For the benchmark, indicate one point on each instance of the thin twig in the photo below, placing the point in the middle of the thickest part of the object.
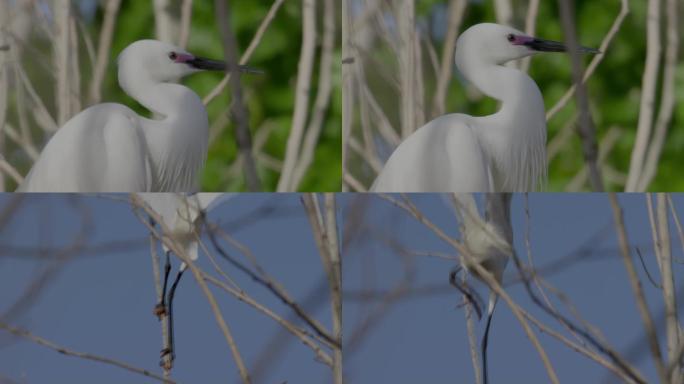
(186, 20)
(301, 108)
(636, 288)
(563, 101)
(87, 356)
(669, 291)
(586, 128)
(275, 289)
(648, 274)
(324, 90)
(265, 23)
(667, 98)
(163, 317)
(649, 84)
(103, 49)
(456, 12)
(238, 111)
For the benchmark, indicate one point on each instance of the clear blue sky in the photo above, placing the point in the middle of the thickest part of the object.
(102, 302)
(423, 339)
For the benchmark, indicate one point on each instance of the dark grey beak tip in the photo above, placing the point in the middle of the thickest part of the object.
(217, 65)
(590, 50)
(541, 45)
(250, 70)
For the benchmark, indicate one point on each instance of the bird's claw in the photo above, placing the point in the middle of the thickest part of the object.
(167, 356)
(159, 310)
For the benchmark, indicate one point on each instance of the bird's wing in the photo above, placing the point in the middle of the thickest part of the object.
(128, 163)
(99, 150)
(444, 155)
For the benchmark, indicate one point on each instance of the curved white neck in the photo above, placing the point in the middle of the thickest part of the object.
(515, 136)
(178, 141)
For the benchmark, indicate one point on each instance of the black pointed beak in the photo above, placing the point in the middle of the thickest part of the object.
(542, 45)
(218, 65)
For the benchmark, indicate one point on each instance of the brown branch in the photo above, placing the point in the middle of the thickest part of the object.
(238, 110)
(87, 356)
(636, 288)
(586, 128)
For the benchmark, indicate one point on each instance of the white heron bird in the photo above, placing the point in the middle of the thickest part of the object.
(180, 214)
(489, 243)
(110, 148)
(503, 152)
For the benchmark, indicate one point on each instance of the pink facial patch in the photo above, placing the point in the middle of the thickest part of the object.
(521, 39)
(183, 57)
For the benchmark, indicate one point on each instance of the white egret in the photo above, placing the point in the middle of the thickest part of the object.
(109, 148)
(180, 214)
(489, 243)
(503, 152)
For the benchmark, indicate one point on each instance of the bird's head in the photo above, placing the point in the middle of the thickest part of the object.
(163, 62)
(498, 44)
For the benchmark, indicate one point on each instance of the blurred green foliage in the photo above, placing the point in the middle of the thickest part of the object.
(614, 89)
(269, 98)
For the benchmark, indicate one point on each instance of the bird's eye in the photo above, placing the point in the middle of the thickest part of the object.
(510, 37)
(173, 56)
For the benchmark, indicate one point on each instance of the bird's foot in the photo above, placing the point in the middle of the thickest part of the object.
(160, 310)
(470, 297)
(167, 356)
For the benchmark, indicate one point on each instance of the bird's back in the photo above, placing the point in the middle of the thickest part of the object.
(87, 148)
(442, 156)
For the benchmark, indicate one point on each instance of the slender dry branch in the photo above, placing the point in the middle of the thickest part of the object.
(456, 12)
(348, 60)
(166, 363)
(186, 20)
(470, 330)
(669, 291)
(648, 93)
(667, 98)
(304, 72)
(586, 128)
(274, 289)
(335, 281)
(163, 21)
(103, 49)
(302, 334)
(248, 52)
(238, 111)
(324, 90)
(530, 27)
(407, 64)
(62, 15)
(636, 288)
(563, 101)
(87, 356)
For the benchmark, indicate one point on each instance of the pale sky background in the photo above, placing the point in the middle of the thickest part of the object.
(102, 302)
(423, 339)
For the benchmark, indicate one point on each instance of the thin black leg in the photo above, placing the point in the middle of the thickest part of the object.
(485, 338)
(465, 291)
(172, 292)
(160, 309)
